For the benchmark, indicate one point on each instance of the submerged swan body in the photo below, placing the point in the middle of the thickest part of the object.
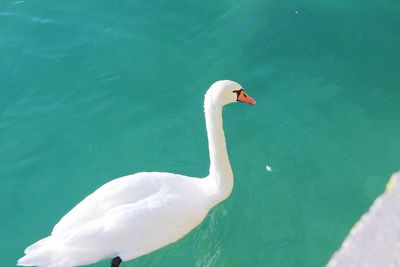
(134, 215)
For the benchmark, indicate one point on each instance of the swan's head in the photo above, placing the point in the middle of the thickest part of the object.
(225, 92)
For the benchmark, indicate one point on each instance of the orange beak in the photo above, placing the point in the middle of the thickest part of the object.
(244, 97)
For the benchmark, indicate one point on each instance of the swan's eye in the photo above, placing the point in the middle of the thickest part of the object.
(238, 92)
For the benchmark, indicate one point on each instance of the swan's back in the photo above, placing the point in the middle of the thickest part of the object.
(117, 192)
(112, 221)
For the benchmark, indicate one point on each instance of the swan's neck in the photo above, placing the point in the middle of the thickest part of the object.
(221, 176)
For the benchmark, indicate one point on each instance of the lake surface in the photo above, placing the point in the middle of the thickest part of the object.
(94, 90)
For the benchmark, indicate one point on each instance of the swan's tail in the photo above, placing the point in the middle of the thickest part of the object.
(46, 252)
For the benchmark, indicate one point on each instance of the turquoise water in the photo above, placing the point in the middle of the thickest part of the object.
(93, 90)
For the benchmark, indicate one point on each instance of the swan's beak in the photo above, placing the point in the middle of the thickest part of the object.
(244, 97)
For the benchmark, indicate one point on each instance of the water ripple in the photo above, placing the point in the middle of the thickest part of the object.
(34, 19)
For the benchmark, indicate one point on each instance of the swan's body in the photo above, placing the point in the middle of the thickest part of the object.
(134, 215)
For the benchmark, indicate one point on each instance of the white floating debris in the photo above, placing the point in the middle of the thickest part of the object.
(268, 168)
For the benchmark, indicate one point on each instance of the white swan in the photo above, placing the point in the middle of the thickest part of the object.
(134, 215)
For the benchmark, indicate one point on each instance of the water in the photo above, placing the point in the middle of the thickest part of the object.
(95, 90)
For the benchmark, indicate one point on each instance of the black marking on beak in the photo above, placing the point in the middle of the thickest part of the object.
(238, 94)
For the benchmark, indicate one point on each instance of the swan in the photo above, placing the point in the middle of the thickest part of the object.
(136, 214)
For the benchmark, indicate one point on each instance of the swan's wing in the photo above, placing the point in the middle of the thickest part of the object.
(106, 236)
(130, 216)
(128, 189)
(375, 239)
(134, 229)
